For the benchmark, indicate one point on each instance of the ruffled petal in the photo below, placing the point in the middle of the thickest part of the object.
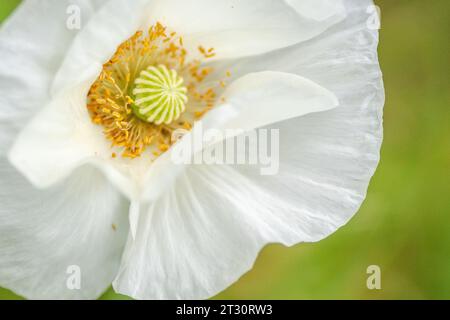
(241, 28)
(95, 44)
(80, 224)
(185, 246)
(44, 232)
(206, 231)
(318, 10)
(33, 42)
(62, 126)
(62, 138)
(261, 98)
(55, 142)
(234, 28)
(91, 48)
(252, 101)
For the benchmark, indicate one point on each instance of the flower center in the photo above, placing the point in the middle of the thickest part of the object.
(149, 89)
(160, 96)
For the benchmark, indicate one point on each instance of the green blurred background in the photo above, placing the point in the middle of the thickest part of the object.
(404, 224)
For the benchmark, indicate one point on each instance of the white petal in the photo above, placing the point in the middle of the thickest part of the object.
(239, 28)
(234, 28)
(45, 232)
(62, 137)
(206, 231)
(95, 44)
(317, 9)
(263, 98)
(72, 139)
(91, 48)
(253, 101)
(185, 247)
(33, 42)
(54, 143)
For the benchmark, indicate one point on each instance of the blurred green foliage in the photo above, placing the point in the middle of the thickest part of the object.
(6, 6)
(404, 224)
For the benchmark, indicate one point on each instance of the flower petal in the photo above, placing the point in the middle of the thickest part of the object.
(45, 232)
(262, 98)
(90, 49)
(319, 10)
(54, 143)
(62, 137)
(234, 28)
(185, 246)
(206, 231)
(240, 28)
(33, 42)
(96, 43)
(253, 101)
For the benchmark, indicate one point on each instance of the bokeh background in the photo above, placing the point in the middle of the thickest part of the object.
(404, 224)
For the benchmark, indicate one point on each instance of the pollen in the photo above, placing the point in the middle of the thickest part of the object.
(150, 88)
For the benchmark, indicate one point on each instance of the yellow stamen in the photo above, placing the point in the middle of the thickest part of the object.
(120, 104)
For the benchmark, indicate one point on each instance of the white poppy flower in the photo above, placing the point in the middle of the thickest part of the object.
(86, 176)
